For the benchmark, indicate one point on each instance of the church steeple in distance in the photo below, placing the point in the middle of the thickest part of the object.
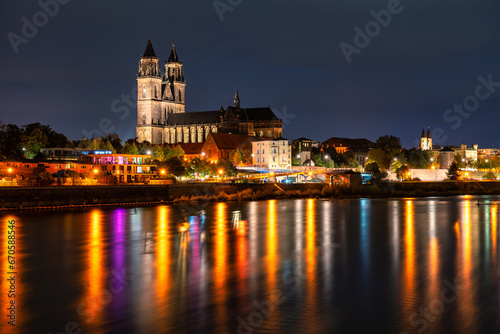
(237, 100)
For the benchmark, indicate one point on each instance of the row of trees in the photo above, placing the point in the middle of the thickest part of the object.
(389, 155)
(17, 142)
(27, 141)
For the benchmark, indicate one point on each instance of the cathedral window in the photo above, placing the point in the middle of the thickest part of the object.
(143, 118)
(144, 91)
(180, 96)
(261, 134)
(156, 92)
(193, 135)
(269, 134)
(200, 135)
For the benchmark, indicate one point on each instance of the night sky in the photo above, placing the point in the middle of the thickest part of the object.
(285, 54)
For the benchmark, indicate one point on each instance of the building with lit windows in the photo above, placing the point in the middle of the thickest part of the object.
(272, 153)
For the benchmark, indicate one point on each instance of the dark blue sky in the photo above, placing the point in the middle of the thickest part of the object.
(280, 53)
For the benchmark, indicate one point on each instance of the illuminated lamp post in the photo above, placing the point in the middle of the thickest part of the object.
(10, 173)
(95, 174)
(327, 158)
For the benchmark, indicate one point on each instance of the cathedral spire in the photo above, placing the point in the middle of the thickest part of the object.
(423, 133)
(173, 55)
(429, 133)
(237, 100)
(149, 52)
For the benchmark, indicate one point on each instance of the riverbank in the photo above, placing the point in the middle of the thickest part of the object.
(15, 198)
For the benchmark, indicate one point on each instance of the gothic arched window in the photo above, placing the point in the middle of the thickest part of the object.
(200, 135)
(180, 96)
(156, 92)
(143, 91)
(143, 118)
(193, 135)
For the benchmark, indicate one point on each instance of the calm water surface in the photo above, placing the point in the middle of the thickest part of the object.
(290, 266)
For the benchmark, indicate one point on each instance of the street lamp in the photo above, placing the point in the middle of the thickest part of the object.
(10, 172)
(148, 152)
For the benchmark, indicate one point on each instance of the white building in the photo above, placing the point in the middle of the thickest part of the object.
(272, 153)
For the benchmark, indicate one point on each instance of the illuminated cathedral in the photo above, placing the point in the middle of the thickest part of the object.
(161, 108)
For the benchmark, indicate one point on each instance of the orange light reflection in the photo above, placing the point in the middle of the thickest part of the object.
(94, 300)
(162, 259)
(220, 266)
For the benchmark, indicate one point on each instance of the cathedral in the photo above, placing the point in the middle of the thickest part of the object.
(161, 108)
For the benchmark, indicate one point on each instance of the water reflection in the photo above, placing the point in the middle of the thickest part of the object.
(464, 262)
(91, 308)
(409, 293)
(325, 266)
(220, 266)
(162, 261)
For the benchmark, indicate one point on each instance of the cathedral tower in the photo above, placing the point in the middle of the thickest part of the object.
(149, 86)
(173, 86)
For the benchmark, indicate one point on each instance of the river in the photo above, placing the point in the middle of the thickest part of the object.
(411, 265)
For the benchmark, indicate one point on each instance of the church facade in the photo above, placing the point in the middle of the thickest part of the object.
(161, 108)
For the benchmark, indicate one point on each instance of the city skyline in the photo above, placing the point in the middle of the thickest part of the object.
(312, 63)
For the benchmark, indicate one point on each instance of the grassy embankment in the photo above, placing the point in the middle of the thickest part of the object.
(384, 190)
